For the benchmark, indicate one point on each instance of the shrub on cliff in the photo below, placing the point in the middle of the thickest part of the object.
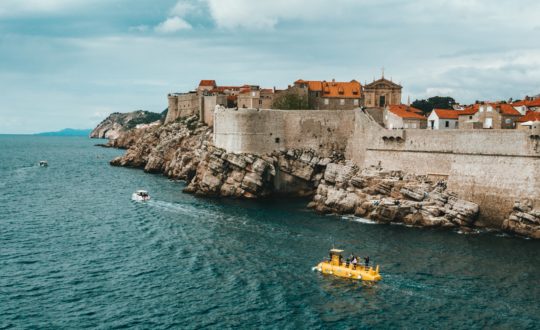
(146, 117)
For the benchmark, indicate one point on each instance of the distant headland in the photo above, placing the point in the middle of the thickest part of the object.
(67, 132)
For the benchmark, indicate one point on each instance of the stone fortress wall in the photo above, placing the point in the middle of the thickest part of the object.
(493, 168)
(263, 131)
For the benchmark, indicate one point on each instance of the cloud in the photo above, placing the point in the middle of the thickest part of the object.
(172, 24)
(15, 8)
(139, 28)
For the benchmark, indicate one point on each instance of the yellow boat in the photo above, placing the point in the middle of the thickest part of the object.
(335, 266)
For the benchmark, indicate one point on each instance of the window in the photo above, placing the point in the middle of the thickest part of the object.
(456, 124)
(508, 121)
(253, 93)
(277, 140)
(489, 109)
(355, 102)
(260, 102)
(446, 123)
(470, 117)
(326, 101)
(413, 125)
(406, 125)
(341, 101)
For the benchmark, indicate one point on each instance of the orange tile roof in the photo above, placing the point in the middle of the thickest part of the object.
(208, 83)
(528, 103)
(267, 90)
(530, 116)
(470, 110)
(507, 109)
(447, 114)
(334, 89)
(405, 111)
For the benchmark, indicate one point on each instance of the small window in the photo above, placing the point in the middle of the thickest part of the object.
(277, 140)
(470, 117)
(447, 124)
(456, 124)
(406, 125)
(260, 102)
(413, 125)
(341, 101)
(489, 109)
(355, 102)
(326, 101)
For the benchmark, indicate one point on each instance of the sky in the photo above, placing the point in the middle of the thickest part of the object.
(70, 63)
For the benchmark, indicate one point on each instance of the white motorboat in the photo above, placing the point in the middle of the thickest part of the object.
(140, 195)
(43, 163)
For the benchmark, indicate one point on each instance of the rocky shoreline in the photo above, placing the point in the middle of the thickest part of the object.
(183, 150)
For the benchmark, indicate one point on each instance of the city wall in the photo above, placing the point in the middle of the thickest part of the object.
(490, 167)
(263, 131)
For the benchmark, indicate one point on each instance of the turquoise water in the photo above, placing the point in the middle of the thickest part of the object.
(76, 252)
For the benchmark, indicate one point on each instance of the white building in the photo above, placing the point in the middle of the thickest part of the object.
(443, 119)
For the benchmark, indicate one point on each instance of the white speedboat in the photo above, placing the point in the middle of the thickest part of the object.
(140, 195)
(43, 163)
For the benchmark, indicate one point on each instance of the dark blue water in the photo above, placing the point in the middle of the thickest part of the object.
(76, 252)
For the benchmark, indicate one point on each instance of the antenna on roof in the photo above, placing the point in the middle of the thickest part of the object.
(382, 72)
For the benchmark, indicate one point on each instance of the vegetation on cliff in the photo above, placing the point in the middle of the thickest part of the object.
(116, 123)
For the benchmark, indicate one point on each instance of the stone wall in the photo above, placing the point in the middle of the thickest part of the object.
(264, 131)
(182, 105)
(492, 168)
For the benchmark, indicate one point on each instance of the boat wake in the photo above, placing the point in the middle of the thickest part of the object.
(361, 220)
(175, 207)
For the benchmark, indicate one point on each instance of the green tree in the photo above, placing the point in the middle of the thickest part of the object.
(290, 101)
(435, 102)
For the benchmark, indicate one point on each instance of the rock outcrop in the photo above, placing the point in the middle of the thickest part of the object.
(184, 150)
(390, 197)
(113, 126)
(524, 220)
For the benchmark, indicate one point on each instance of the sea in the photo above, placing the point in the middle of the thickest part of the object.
(76, 252)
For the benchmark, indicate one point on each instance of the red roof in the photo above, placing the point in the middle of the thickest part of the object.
(406, 112)
(471, 110)
(208, 83)
(528, 103)
(334, 89)
(530, 116)
(503, 108)
(447, 114)
(507, 109)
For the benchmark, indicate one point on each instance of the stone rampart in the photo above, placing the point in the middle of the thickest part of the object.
(263, 131)
(493, 168)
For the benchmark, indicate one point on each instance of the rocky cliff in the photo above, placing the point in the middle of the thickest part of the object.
(117, 123)
(184, 150)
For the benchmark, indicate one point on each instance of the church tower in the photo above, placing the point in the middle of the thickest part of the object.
(382, 92)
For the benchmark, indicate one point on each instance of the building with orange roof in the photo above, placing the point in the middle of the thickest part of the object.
(529, 121)
(443, 119)
(403, 117)
(490, 116)
(254, 97)
(329, 95)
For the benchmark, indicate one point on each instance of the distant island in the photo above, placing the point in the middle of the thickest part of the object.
(67, 132)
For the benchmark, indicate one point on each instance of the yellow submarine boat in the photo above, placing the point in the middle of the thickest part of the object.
(335, 266)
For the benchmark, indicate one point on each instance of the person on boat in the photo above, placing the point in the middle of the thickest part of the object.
(366, 261)
(354, 262)
(347, 261)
